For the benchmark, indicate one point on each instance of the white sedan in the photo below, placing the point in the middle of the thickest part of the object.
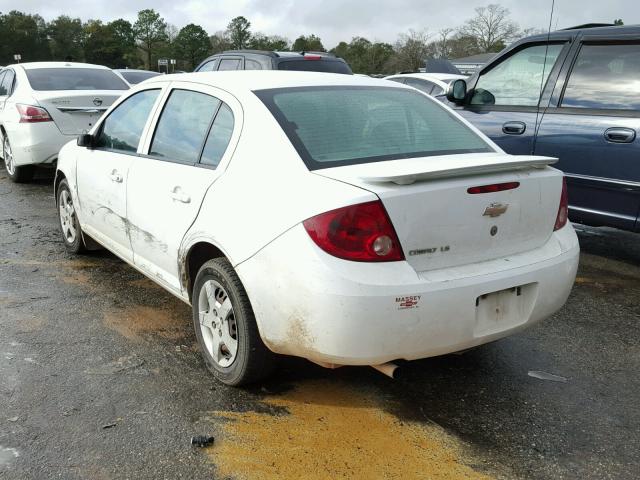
(43, 105)
(346, 220)
(430, 83)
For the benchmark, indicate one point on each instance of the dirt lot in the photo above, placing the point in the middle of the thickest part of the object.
(100, 378)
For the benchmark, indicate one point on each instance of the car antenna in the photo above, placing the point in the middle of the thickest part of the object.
(544, 66)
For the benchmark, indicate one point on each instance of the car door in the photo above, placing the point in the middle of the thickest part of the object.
(505, 99)
(102, 171)
(592, 127)
(167, 185)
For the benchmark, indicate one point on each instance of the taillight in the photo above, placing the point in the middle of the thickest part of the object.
(312, 57)
(563, 209)
(31, 114)
(496, 187)
(362, 233)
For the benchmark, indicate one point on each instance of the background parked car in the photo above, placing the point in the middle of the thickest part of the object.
(265, 60)
(430, 83)
(44, 105)
(575, 97)
(133, 76)
(411, 234)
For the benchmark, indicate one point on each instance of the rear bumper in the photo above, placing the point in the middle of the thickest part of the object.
(36, 143)
(312, 305)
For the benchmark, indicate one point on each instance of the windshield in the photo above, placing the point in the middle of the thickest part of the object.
(345, 125)
(49, 79)
(330, 66)
(136, 77)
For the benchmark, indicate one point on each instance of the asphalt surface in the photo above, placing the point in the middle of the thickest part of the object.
(100, 376)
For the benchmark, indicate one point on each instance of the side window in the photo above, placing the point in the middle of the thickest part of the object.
(397, 79)
(605, 77)
(437, 90)
(3, 91)
(518, 79)
(219, 137)
(209, 66)
(422, 85)
(122, 129)
(7, 82)
(251, 64)
(183, 126)
(230, 64)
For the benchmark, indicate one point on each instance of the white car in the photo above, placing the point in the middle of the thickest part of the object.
(430, 83)
(133, 76)
(43, 105)
(346, 220)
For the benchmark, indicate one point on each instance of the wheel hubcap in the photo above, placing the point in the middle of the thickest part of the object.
(67, 217)
(218, 323)
(8, 156)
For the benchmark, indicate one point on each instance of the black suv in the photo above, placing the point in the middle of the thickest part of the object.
(264, 60)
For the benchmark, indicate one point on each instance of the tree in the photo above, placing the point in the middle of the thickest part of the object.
(67, 38)
(191, 45)
(23, 34)
(238, 32)
(150, 31)
(260, 41)
(111, 44)
(442, 46)
(364, 56)
(124, 37)
(310, 43)
(491, 27)
(618, 22)
(220, 42)
(411, 51)
(462, 46)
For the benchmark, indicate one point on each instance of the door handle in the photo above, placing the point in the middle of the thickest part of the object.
(514, 128)
(178, 195)
(620, 135)
(116, 176)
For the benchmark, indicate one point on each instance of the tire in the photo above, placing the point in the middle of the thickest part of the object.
(218, 288)
(22, 174)
(68, 220)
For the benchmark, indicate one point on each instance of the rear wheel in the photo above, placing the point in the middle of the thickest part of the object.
(69, 223)
(226, 327)
(17, 174)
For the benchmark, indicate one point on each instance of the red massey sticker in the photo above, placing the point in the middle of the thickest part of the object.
(407, 302)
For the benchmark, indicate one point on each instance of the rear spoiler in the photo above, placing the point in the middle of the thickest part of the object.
(408, 171)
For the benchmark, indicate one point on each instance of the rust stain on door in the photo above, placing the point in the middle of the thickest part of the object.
(333, 431)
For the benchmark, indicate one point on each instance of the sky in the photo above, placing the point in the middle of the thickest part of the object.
(336, 20)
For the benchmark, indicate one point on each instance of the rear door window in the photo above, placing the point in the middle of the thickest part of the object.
(122, 129)
(230, 64)
(219, 137)
(605, 77)
(3, 90)
(183, 126)
(6, 84)
(52, 79)
(518, 79)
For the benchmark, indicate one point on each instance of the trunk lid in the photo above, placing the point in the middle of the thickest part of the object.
(441, 225)
(75, 111)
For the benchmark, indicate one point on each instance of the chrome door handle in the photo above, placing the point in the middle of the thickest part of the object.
(179, 196)
(514, 128)
(620, 135)
(116, 177)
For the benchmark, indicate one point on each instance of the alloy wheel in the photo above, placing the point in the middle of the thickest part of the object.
(217, 323)
(67, 216)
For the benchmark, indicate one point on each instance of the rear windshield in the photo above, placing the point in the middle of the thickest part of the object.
(47, 79)
(330, 66)
(346, 125)
(136, 77)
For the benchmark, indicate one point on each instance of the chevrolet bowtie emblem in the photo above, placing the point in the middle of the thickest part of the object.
(495, 209)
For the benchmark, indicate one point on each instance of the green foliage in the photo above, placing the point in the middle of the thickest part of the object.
(618, 22)
(191, 45)
(112, 44)
(238, 32)
(66, 37)
(150, 31)
(310, 43)
(364, 56)
(260, 41)
(23, 34)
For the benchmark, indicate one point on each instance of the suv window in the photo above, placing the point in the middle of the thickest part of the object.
(250, 64)
(7, 82)
(518, 79)
(230, 64)
(605, 77)
(122, 129)
(422, 85)
(183, 126)
(209, 66)
(331, 66)
(219, 137)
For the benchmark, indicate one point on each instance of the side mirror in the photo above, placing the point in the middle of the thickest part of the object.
(457, 91)
(85, 140)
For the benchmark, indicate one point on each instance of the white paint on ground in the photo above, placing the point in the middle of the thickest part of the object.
(8, 455)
